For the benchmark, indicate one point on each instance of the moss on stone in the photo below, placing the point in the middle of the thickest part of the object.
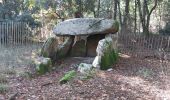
(67, 77)
(108, 60)
(43, 68)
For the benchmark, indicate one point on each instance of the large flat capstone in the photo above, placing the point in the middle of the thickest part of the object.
(86, 26)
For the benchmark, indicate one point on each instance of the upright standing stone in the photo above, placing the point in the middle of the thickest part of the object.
(106, 54)
(65, 49)
(48, 49)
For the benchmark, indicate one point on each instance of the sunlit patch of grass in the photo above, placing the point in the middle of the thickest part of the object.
(24, 75)
(145, 72)
(4, 88)
(3, 79)
(9, 71)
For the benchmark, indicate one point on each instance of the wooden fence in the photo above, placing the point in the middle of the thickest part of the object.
(12, 33)
(142, 45)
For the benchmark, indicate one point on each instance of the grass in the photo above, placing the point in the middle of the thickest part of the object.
(145, 72)
(3, 79)
(9, 71)
(25, 75)
(4, 88)
(67, 77)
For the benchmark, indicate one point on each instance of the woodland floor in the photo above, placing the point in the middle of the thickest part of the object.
(132, 78)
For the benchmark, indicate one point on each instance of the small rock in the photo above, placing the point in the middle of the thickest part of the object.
(110, 69)
(96, 62)
(84, 68)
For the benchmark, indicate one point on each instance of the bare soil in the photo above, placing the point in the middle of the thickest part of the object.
(132, 78)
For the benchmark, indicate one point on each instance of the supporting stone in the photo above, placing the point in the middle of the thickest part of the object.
(48, 49)
(65, 49)
(106, 54)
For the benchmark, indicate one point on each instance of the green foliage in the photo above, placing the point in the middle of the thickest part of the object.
(9, 71)
(44, 54)
(67, 77)
(4, 88)
(3, 79)
(11, 8)
(25, 75)
(145, 72)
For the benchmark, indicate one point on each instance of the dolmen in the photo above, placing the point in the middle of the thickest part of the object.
(84, 37)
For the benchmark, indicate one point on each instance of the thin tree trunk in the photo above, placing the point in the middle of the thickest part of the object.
(120, 14)
(148, 17)
(125, 27)
(98, 8)
(145, 16)
(115, 9)
(135, 17)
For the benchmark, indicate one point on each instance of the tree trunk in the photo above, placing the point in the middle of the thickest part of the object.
(120, 14)
(115, 9)
(125, 27)
(98, 8)
(148, 17)
(135, 27)
(145, 16)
